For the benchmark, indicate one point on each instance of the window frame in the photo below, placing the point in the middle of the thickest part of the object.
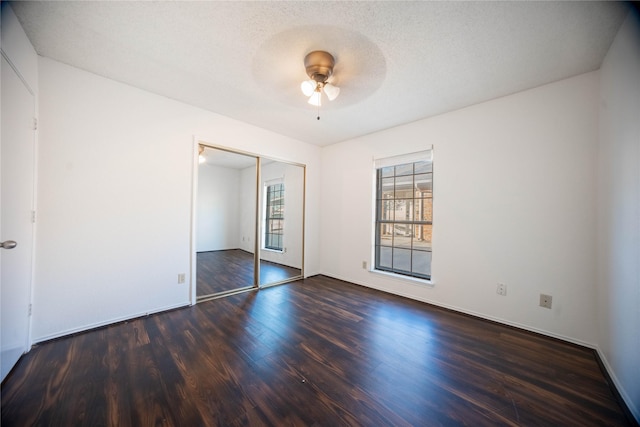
(412, 198)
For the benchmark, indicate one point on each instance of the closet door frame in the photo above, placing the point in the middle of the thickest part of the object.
(199, 141)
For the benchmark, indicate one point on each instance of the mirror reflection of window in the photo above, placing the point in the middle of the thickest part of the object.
(274, 217)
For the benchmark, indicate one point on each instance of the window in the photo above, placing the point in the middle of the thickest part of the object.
(404, 214)
(274, 217)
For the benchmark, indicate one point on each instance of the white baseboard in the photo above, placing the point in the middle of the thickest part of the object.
(106, 322)
(635, 411)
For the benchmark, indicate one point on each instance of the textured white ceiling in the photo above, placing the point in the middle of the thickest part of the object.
(396, 62)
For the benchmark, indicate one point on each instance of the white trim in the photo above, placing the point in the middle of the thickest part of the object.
(402, 278)
(34, 229)
(194, 209)
(404, 158)
(20, 76)
(109, 322)
(635, 410)
(281, 251)
(274, 181)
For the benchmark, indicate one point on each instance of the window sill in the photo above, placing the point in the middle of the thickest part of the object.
(274, 250)
(402, 278)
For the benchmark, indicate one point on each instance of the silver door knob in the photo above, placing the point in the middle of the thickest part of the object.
(8, 244)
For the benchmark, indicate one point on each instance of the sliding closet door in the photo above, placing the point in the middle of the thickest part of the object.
(225, 222)
(282, 221)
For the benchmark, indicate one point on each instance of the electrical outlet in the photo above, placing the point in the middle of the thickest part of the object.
(180, 278)
(364, 264)
(501, 289)
(545, 300)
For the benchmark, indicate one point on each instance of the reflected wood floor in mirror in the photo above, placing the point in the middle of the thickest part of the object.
(220, 271)
(314, 352)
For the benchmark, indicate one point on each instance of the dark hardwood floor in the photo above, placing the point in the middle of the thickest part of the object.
(317, 352)
(271, 272)
(235, 264)
(221, 271)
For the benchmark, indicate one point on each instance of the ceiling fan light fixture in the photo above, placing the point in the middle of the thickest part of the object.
(308, 87)
(316, 99)
(331, 91)
(201, 157)
(319, 67)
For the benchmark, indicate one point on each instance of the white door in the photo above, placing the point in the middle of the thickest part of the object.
(16, 204)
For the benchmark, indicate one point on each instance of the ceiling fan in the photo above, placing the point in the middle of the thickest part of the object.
(319, 66)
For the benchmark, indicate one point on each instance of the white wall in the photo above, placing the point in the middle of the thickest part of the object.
(115, 190)
(218, 213)
(514, 202)
(619, 212)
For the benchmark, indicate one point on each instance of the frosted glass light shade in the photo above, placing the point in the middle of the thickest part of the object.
(331, 91)
(307, 87)
(315, 99)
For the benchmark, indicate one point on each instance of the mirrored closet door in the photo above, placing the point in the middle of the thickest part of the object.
(282, 221)
(249, 222)
(225, 222)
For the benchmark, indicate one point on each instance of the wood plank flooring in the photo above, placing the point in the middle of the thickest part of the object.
(317, 352)
(221, 271)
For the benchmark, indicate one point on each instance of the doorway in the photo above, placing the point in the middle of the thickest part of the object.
(17, 210)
